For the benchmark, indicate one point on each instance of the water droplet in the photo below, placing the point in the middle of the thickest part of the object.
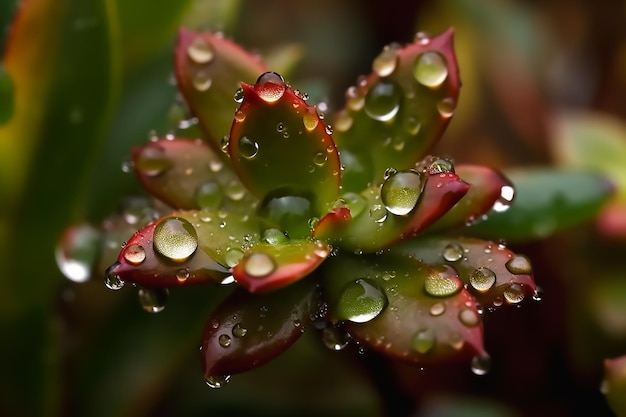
(354, 100)
(482, 279)
(209, 195)
(335, 338)
(514, 293)
(217, 382)
(152, 161)
(225, 142)
(202, 81)
(453, 252)
(422, 38)
(248, 148)
(430, 69)
(343, 121)
(538, 294)
(481, 364)
(232, 257)
(224, 340)
(424, 340)
(386, 62)
(440, 166)
(437, 309)
(240, 116)
(259, 264)
(270, 86)
(507, 193)
(134, 254)
(238, 97)
(182, 275)
(382, 101)
(328, 129)
(228, 280)
(320, 159)
(310, 120)
(446, 107)
(77, 252)
(153, 299)
(239, 331)
(200, 50)
(412, 126)
(361, 301)
(235, 190)
(127, 166)
(469, 317)
(401, 192)
(378, 213)
(274, 237)
(111, 278)
(519, 264)
(443, 282)
(175, 238)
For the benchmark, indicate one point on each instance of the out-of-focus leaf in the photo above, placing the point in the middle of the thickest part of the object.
(546, 201)
(7, 93)
(614, 384)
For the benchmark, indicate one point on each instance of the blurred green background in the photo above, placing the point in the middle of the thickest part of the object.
(83, 81)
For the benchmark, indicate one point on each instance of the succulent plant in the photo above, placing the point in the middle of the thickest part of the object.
(353, 230)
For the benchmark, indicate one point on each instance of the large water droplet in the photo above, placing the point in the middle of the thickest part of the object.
(382, 101)
(270, 86)
(430, 69)
(386, 62)
(453, 252)
(175, 238)
(247, 147)
(443, 282)
(258, 264)
(153, 299)
(514, 293)
(482, 279)
(361, 301)
(134, 254)
(481, 364)
(209, 195)
(401, 192)
(519, 264)
(200, 50)
(218, 381)
(424, 340)
(507, 193)
(112, 279)
(152, 161)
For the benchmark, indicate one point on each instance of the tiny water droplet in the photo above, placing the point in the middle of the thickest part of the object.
(519, 264)
(320, 159)
(440, 166)
(424, 340)
(335, 338)
(152, 161)
(182, 275)
(481, 364)
(446, 107)
(382, 101)
(422, 38)
(469, 318)
(361, 301)
(453, 252)
(134, 254)
(378, 213)
(401, 192)
(270, 86)
(111, 278)
(224, 340)
(310, 120)
(482, 279)
(274, 236)
(217, 382)
(153, 299)
(386, 62)
(258, 264)
(240, 116)
(202, 81)
(328, 129)
(514, 293)
(430, 69)
(238, 97)
(175, 238)
(538, 294)
(437, 309)
(248, 148)
(200, 50)
(443, 281)
(239, 331)
(502, 204)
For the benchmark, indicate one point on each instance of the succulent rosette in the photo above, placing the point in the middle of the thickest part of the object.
(354, 230)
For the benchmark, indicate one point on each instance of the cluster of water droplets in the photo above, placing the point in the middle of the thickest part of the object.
(201, 52)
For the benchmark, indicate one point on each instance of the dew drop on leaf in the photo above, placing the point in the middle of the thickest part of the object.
(382, 101)
(437, 309)
(453, 252)
(361, 301)
(439, 166)
(430, 69)
(217, 382)
(77, 252)
(270, 86)
(335, 338)
(153, 299)
(481, 364)
(182, 274)
(239, 330)
(175, 239)
(235, 190)
(443, 282)
(134, 254)
(200, 51)
(446, 107)
(111, 279)
(519, 264)
(248, 148)
(238, 97)
(224, 340)
(274, 236)
(202, 81)
(469, 318)
(423, 340)
(502, 204)
(514, 293)
(258, 264)
(401, 191)
(152, 161)
(482, 279)
(310, 121)
(386, 62)
(232, 257)
(378, 213)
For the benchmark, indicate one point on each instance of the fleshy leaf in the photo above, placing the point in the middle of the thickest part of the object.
(209, 69)
(248, 330)
(418, 201)
(188, 174)
(401, 307)
(489, 189)
(279, 146)
(400, 110)
(268, 266)
(546, 201)
(182, 248)
(492, 273)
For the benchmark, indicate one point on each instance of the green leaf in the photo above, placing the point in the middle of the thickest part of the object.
(399, 111)
(7, 94)
(546, 202)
